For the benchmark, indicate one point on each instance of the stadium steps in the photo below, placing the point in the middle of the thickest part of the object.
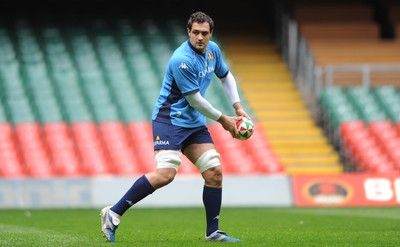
(268, 88)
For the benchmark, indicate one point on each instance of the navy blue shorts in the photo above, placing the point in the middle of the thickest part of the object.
(171, 137)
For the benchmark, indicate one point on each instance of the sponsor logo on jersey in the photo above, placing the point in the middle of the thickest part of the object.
(209, 69)
(183, 66)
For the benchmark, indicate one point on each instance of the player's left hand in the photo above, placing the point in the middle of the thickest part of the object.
(241, 112)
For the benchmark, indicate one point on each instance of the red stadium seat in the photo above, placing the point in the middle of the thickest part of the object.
(398, 128)
(140, 134)
(121, 153)
(365, 148)
(34, 150)
(383, 130)
(379, 126)
(90, 148)
(234, 158)
(389, 140)
(260, 150)
(62, 149)
(11, 165)
(187, 168)
(347, 128)
(379, 164)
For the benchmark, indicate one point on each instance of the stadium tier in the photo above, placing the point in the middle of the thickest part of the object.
(358, 107)
(76, 100)
(270, 91)
(364, 123)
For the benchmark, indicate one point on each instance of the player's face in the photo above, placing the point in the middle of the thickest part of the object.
(200, 35)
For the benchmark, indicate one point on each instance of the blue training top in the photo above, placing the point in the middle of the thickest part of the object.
(188, 72)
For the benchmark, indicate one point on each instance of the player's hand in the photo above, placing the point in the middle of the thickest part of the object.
(242, 113)
(229, 124)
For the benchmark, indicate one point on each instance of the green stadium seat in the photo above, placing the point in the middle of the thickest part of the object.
(365, 103)
(127, 99)
(20, 109)
(3, 113)
(336, 107)
(389, 99)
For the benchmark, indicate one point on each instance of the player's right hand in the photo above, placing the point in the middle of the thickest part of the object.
(229, 124)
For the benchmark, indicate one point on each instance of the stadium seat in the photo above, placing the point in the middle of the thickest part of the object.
(347, 128)
(140, 134)
(383, 130)
(187, 168)
(122, 159)
(377, 163)
(336, 108)
(365, 104)
(372, 147)
(234, 158)
(264, 158)
(62, 149)
(10, 160)
(90, 149)
(389, 99)
(34, 150)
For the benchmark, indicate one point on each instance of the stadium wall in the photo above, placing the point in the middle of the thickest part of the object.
(345, 190)
(184, 191)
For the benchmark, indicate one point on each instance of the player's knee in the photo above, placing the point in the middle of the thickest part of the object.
(208, 160)
(165, 176)
(213, 176)
(168, 162)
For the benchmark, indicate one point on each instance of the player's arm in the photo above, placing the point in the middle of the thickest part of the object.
(230, 88)
(199, 103)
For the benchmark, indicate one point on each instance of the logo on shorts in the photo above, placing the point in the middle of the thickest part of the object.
(160, 142)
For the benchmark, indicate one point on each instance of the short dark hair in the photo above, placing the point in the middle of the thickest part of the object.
(200, 17)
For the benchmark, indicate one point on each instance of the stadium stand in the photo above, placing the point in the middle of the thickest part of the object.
(360, 120)
(347, 33)
(285, 120)
(74, 103)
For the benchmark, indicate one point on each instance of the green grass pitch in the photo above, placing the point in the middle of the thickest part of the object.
(185, 227)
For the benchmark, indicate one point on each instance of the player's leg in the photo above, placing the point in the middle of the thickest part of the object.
(167, 163)
(168, 159)
(150, 182)
(206, 158)
(142, 187)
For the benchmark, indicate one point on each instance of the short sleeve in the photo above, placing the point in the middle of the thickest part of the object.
(221, 69)
(183, 71)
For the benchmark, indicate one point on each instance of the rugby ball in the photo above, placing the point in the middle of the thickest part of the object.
(245, 128)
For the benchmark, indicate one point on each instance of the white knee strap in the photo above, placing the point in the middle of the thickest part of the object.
(168, 159)
(208, 160)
